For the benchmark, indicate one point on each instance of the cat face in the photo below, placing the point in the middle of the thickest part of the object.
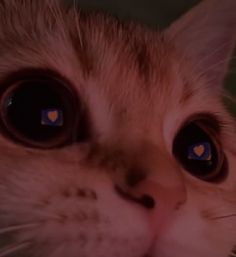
(114, 138)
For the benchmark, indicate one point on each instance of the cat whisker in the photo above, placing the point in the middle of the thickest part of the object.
(9, 250)
(224, 216)
(213, 67)
(17, 228)
(39, 213)
(229, 97)
(45, 215)
(213, 53)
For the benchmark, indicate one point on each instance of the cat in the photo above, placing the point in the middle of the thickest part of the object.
(115, 141)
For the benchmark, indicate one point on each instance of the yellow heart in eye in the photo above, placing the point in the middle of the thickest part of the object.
(199, 150)
(53, 116)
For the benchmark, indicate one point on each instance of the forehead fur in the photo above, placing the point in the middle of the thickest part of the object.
(46, 35)
(126, 65)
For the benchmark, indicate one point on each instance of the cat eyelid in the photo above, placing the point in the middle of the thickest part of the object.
(31, 73)
(208, 121)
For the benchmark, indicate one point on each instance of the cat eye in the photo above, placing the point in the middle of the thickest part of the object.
(199, 152)
(39, 112)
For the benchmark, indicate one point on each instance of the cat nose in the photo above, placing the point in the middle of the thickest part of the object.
(151, 195)
(154, 181)
(161, 202)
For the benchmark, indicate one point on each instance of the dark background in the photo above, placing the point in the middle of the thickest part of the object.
(155, 13)
(152, 12)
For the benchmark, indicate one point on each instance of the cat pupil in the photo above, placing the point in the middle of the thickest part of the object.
(198, 153)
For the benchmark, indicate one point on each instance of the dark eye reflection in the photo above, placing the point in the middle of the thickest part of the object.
(42, 111)
(199, 152)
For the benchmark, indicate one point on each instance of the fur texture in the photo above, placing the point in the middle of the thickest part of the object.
(139, 87)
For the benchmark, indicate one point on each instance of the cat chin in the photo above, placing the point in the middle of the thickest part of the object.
(177, 249)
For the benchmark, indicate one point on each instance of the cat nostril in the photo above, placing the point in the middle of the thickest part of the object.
(133, 177)
(145, 200)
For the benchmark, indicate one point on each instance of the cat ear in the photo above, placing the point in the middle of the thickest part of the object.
(207, 35)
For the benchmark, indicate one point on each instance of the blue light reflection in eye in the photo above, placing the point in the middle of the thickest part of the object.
(52, 117)
(200, 151)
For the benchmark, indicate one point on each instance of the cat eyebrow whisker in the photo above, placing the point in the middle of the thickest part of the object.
(77, 23)
(18, 227)
(11, 249)
(215, 52)
(233, 215)
(212, 54)
(214, 66)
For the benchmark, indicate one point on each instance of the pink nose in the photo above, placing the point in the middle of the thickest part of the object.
(165, 201)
